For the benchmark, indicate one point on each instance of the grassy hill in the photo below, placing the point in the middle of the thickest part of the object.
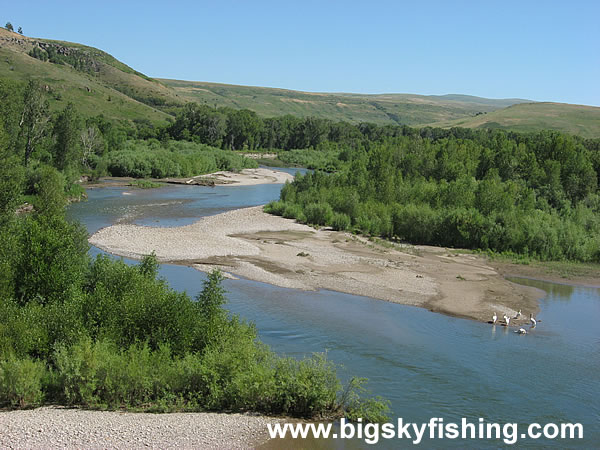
(404, 109)
(97, 83)
(104, 85)
(575, 119)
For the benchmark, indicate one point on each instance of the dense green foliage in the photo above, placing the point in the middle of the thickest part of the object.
(96, 146)
(100, 333)
(152, 159)
(104, 334)
(534, 194)
(244, 130)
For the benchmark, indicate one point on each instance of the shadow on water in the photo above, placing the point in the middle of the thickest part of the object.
(428, 365)
(557, 291)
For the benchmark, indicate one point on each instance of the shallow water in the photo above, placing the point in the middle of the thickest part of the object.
(426, 364)
(170, 206)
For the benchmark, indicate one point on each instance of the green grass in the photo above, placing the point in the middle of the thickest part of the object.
(574, 119)
(146, 184)
(403, 109)
(111, 91)
(406, 109)
(65, 85)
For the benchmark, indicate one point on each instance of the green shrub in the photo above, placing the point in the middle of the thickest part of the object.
(99, 373)
(293, 211)
(340, 222)
(21, 381)
(148, 159)
(318, 213)
(277, 208)
(306, 388)
(356, 405)
(52, 260)
(123, 338)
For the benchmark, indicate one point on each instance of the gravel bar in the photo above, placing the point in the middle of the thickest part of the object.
(56, 427)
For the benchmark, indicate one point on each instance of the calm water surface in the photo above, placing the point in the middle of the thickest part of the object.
(427, 365)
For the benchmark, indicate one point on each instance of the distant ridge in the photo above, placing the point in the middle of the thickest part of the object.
(575, 119)
(388, 108)
(98, 83)
(504, 102)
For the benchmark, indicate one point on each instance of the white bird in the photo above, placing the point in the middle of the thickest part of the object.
(522, 331)
(506, 319)
(532, 320)
(518, 315)
(494, 318)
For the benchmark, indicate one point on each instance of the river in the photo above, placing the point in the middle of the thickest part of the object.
(426, 364)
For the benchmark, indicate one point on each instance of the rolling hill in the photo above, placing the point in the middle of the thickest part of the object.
(575, 119)
(104, 85)
(397, 109)
(97, 83)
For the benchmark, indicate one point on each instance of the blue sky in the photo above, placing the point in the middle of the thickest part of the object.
(540, 50)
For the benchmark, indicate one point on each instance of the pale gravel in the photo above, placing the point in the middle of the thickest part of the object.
(247, 177)
(210, 236)
(225, 240)
(56, 427)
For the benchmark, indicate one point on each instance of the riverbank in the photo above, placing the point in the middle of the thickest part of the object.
(245, 177)
(561, 272)
(56, 427)
(262, 247)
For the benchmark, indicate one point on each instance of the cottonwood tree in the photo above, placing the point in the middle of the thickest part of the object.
(11, 179)
(67, 135)
(34, 118)
(9, 26)
(91, 143)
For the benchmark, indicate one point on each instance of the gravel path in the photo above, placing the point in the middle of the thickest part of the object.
(55, 427)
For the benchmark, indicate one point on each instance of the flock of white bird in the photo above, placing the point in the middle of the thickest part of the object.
(507, 321)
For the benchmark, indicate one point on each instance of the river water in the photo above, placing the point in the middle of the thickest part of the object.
(426, 364)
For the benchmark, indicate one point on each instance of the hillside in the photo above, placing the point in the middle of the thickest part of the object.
(99, 84)
(404, 109)
(575, 119)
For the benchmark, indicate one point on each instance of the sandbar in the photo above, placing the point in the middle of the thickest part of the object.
(253, 244)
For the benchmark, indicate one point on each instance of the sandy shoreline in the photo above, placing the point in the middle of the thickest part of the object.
(262, 247)
(245, 177)
(57, 427)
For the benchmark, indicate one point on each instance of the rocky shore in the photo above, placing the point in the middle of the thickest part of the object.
(56, 427)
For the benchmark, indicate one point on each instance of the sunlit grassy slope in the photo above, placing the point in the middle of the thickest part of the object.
(405, 109)
(575, 119)
(121, 93)
(109, 90)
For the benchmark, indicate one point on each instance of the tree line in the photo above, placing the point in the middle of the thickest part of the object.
(96, 146)
(232, 129)
(531, 194)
